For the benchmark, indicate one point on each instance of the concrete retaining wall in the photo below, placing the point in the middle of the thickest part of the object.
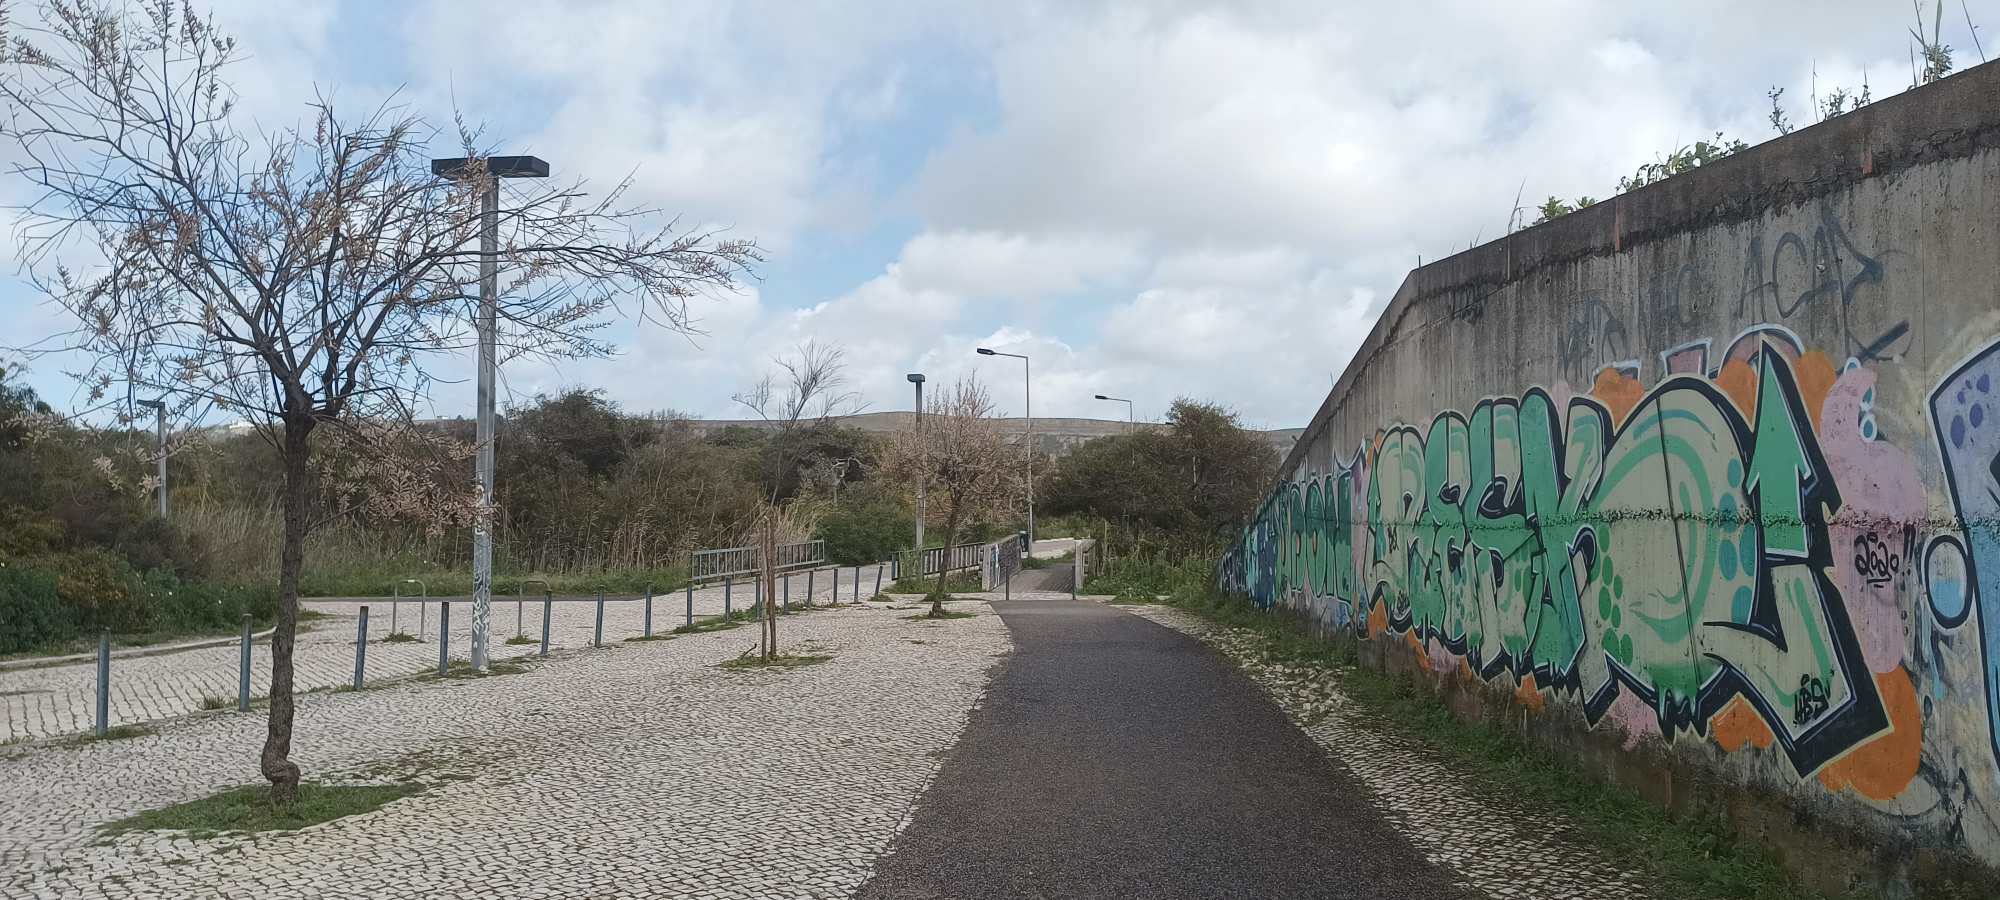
(1702, 485)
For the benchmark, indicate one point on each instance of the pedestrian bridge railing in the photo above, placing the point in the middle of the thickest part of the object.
(728, 562)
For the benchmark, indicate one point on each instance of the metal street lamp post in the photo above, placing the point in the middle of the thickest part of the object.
(917, 379)
(1028, 402)
(489, 170)
(160, 408)
(1131, 424)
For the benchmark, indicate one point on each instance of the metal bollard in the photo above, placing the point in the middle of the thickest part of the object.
(243, 669)
(360, 647)
(788, 592)
(104, 683)
(809, 586)
(878, 579)
(857, 584)
(649, 611)
(444, 637)
(548, 606)
(690, 610)
(835, 572)
(395, 606)
(597, 639)
(1007, 588)
(757, 597)
(728, 583)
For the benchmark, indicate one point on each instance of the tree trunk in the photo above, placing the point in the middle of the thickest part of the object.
(944, 564)
(769, 575)
(276, 761)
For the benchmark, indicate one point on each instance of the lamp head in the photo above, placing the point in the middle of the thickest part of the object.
(915, 377)
(152, 404)
(1102, 397)
(985, 352)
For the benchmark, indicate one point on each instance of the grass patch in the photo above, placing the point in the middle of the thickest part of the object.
(114, 733)
(208, 702)
(781, 661)
(249, 809)
(648, 637)
(940, 615)
(522, 639)
(404, 637)
(1693, 857)
(459, 668)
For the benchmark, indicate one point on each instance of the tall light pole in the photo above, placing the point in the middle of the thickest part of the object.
(160, 409)
(917, 379)
(1027, 401)
(1131, 424)
(488, 170)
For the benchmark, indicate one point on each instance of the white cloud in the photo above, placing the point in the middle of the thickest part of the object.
(1151, 199)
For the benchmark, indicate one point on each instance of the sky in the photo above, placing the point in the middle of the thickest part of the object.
(1150, 200)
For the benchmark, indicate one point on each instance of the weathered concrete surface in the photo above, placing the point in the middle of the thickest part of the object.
(1702, 484)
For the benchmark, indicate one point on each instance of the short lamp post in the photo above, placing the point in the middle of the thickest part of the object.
(159, 408)
(490, 170)
(1028, 404)
(1131, 424)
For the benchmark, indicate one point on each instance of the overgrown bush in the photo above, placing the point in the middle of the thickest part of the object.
(865, 529)
(1145, 579)
(31, 614)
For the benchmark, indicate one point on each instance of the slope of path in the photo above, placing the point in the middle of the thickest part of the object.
(1113, 757)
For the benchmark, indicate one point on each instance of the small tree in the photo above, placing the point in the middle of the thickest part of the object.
(299, 279)
(965, 464)
(813, 394)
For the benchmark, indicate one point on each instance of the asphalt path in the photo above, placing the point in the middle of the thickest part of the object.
(1113, 757)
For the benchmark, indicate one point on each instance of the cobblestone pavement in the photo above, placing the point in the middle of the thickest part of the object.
(638, 770)
(61, 700)
(1458, 827)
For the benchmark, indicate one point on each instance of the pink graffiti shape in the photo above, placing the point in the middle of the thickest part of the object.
(1880, 500)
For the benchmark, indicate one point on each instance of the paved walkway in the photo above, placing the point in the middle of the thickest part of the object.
(1114, 758)
(638, 770)
(61, 700)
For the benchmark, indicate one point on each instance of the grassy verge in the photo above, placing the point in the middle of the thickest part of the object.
(249, 808)
(1695, 857)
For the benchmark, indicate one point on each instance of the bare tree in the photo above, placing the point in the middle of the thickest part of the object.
(812, 394)
(965, 464)
(301, 278)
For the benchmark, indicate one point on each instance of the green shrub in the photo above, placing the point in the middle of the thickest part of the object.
(31, 613)
(102, 588)
(1148, 578)
(861, 533)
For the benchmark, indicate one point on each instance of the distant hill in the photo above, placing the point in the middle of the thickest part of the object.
(1053, 436)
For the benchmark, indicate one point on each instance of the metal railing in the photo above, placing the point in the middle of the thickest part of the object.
(708, 565)
(914, 563)
(1002, 561)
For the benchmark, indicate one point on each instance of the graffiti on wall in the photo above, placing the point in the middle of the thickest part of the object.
(1962, 565)
(1718, 555)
